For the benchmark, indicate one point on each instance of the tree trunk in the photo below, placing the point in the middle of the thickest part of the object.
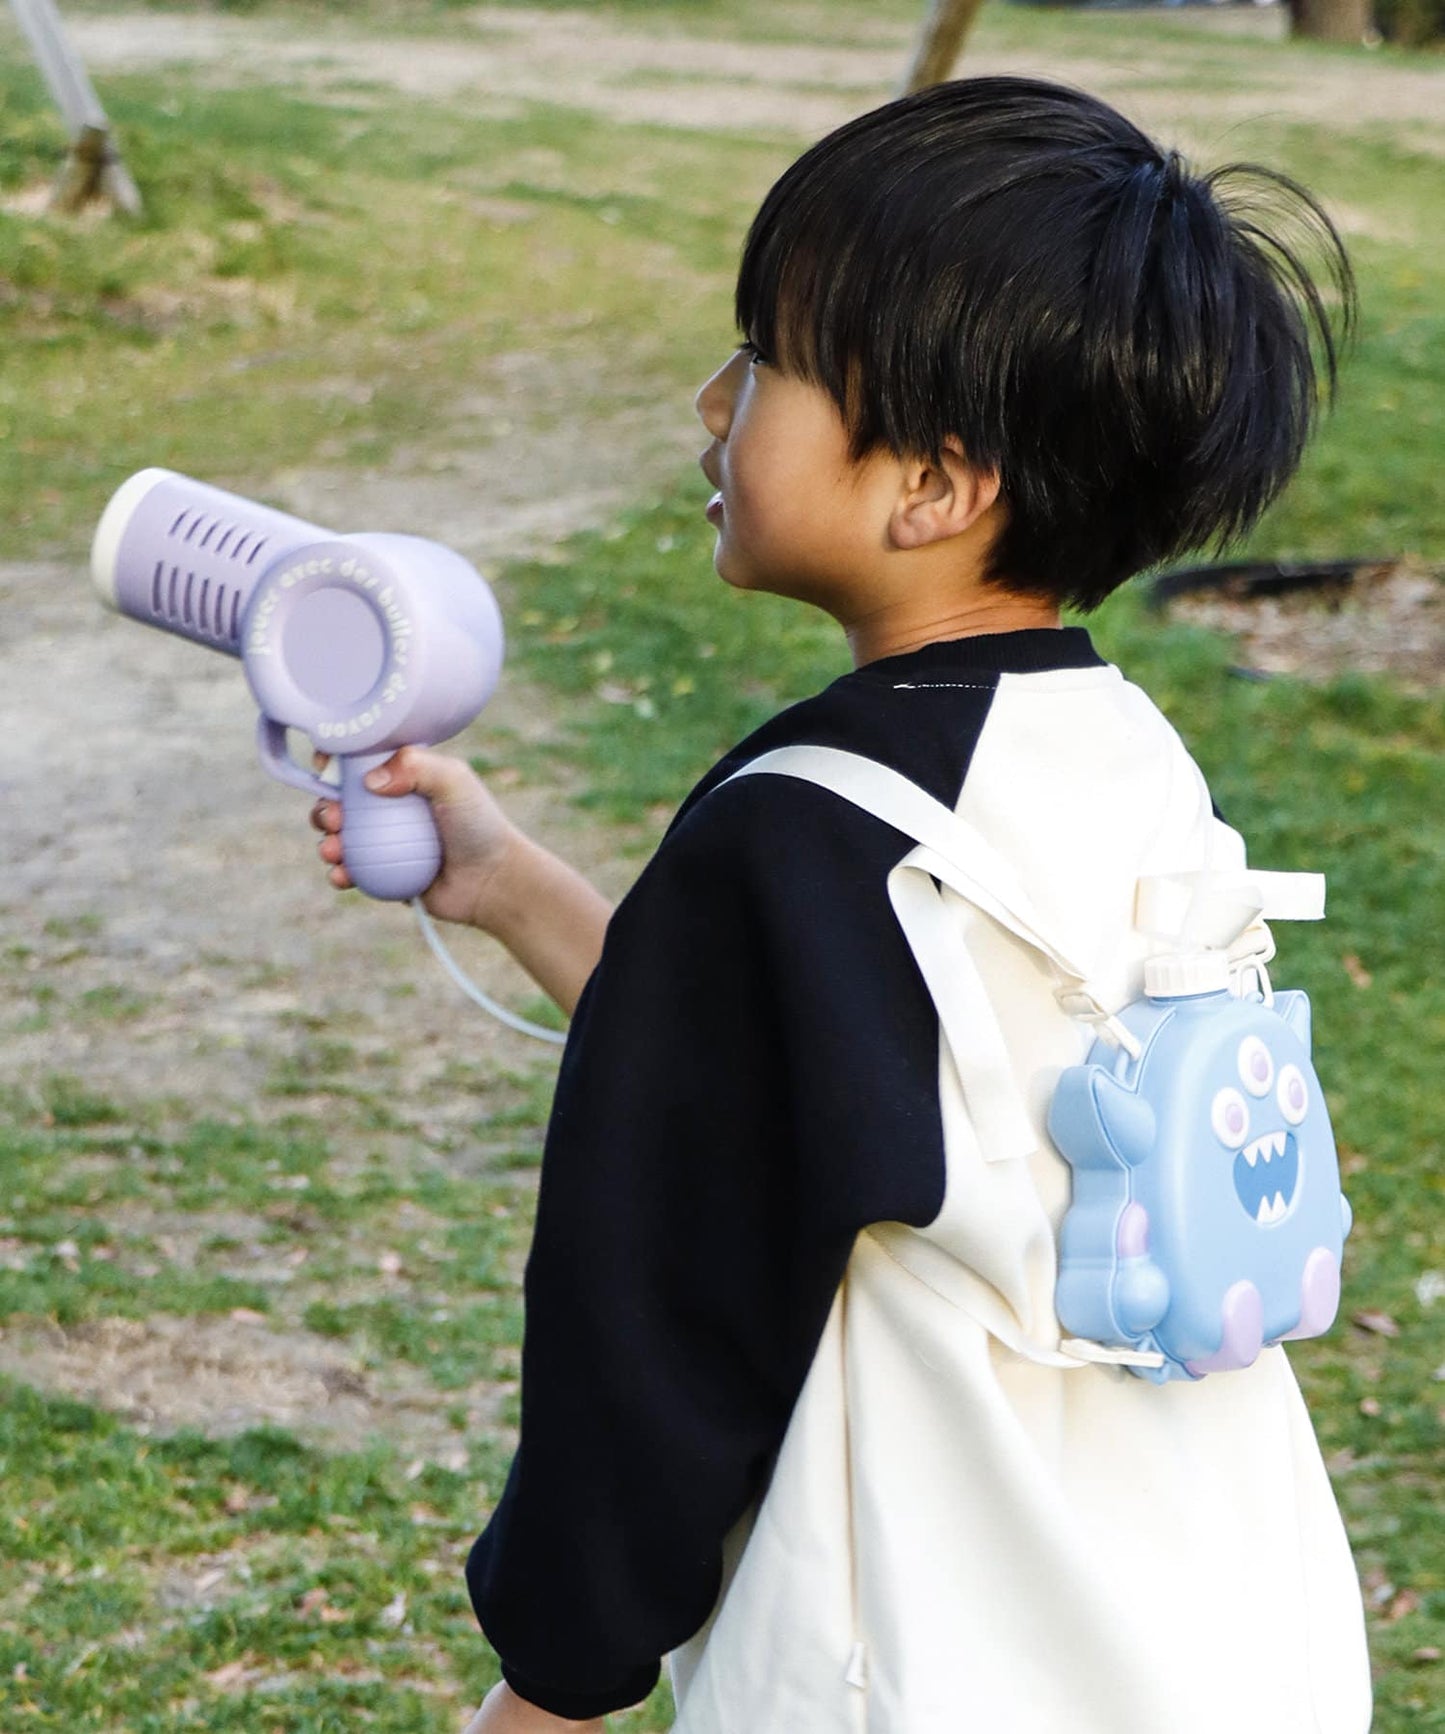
(1345, 21)
(940, 42)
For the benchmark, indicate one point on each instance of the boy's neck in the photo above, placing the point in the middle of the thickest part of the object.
(894, 632)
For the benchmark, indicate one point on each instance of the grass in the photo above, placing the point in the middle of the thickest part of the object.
(326, 279)
(167, 1584)
(238, 1584)
(300, 1553)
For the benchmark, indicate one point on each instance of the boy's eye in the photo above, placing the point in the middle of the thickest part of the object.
(755, 356)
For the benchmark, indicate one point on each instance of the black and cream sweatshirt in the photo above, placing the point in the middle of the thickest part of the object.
(751, 1079)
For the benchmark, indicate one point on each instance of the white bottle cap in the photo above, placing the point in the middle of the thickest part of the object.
(1176, 975)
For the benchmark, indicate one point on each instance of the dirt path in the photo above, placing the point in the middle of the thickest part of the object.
(498, 57)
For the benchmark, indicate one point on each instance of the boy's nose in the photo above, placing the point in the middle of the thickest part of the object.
(714, 402)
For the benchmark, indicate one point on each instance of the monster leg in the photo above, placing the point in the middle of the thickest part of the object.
(1319, 1298)
(1243, 1334)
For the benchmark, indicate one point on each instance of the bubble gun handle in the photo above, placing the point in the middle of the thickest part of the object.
(388, 842)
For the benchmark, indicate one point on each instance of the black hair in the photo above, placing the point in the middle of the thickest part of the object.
(1013, 264)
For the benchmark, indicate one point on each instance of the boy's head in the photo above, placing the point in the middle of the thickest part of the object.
(1014, 266)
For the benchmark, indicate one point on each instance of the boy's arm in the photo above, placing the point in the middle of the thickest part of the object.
(493, 876)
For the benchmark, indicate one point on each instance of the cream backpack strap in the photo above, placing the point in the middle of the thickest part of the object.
(937, 935)
(950, 852)
(1220, 911)
(970, 864)
(966, 1290)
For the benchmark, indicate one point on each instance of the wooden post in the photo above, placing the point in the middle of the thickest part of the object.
(93, 168)
(939, 42)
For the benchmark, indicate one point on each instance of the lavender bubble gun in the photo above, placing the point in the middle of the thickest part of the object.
(366, 643)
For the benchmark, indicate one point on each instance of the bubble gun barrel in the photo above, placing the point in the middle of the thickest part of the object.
(364, 642)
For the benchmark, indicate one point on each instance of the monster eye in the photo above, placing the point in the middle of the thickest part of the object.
(1293, 1094)
(1256, 1068)
(1230, 1118)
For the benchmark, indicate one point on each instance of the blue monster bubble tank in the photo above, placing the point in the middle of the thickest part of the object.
(1207, 1219)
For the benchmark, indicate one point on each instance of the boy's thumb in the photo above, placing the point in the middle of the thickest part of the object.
(402, 774)
(414, 770)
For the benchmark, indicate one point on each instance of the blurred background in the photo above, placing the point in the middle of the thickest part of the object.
(265, 1180)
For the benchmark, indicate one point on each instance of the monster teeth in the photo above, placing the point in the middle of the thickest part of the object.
(1270, 1209)
(1270, 1146)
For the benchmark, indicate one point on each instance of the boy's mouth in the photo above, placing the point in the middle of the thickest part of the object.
(714, 508)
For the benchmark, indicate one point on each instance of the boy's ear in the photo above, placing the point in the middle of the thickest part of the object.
(940, 498)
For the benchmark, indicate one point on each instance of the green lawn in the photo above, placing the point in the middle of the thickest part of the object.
(254, 321)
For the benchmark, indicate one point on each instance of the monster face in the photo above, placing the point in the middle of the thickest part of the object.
(1205, 1178)
(1259, 1121)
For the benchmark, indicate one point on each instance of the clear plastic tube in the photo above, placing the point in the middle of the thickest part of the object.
(473, 992)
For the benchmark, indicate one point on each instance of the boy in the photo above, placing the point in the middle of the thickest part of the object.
(792, 1407)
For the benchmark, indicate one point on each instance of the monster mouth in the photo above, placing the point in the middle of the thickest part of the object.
(1266, 1174)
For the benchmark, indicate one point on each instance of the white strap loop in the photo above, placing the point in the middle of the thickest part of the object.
(1213, 909)
(979, 1300)
(1081, 1350)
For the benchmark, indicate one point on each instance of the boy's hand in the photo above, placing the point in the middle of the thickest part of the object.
(493, 876)
(503, 1712)
(476, 836)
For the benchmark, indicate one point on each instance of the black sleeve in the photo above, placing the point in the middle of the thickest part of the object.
(751, 1078)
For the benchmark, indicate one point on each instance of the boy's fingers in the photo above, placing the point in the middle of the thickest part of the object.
(329, 849)
(415, 770)
(340, 878)
(326, 816)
